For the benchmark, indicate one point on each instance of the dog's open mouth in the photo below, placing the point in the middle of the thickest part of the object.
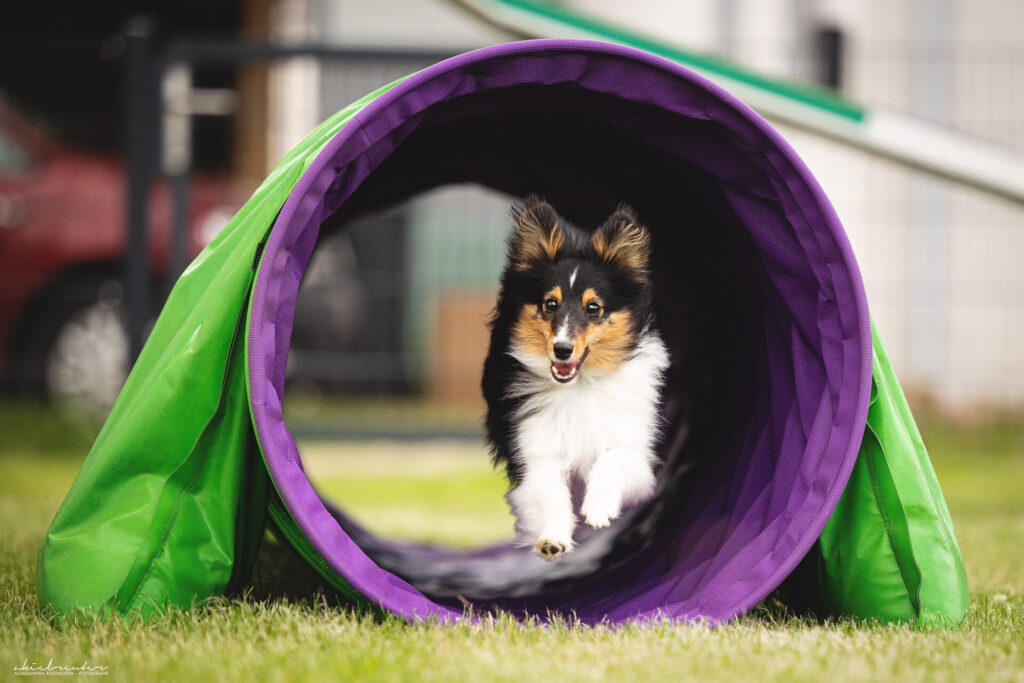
(566, 372)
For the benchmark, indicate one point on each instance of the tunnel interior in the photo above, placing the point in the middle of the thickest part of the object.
(756, 296)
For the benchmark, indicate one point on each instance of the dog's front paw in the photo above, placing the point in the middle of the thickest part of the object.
(599, 510)
(550, 549)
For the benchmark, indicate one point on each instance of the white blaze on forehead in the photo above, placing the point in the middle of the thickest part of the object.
(572, 278)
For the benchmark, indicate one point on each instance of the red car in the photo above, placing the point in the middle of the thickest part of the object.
(62, 246)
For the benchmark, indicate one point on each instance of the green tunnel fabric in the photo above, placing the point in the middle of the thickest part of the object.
(889, 551)
(170, 504)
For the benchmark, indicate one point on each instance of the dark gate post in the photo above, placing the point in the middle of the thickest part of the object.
(140, 147)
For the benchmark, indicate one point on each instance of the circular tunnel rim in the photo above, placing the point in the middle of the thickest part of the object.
(284, 465)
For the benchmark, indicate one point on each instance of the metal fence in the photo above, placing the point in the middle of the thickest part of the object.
(390, 326)
(941, 262)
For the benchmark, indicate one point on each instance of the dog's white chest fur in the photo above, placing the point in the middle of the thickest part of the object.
(575, 423)
(600, 429)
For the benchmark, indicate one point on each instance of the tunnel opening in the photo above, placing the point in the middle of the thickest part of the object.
(757, 297)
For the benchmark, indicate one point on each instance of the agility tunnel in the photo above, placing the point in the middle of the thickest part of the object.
(789, 451)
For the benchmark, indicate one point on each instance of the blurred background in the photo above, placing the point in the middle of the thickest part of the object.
(130, 132)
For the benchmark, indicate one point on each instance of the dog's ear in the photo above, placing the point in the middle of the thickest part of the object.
(623, 242)
(538, 237)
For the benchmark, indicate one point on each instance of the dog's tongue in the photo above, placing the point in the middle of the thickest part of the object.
(564, 368)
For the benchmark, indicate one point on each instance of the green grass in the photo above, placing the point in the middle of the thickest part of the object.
(287, 627)
(443, 492)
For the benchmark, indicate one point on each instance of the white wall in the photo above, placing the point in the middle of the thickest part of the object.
(941, 263)
(294, 108)
(403, 23)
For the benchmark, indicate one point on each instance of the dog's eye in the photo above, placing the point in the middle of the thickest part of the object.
(550, 305)
(593, 308)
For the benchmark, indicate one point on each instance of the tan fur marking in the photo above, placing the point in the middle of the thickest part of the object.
(556, 240)
(535, 242)
(609, 341)
(531, 331)
(628, 247)
(555, 293)
(590, 295)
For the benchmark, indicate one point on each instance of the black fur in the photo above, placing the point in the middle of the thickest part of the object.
(619, 287)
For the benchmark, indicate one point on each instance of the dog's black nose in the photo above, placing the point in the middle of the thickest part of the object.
(563, 350)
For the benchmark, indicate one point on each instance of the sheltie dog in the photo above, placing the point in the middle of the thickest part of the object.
(574, 373)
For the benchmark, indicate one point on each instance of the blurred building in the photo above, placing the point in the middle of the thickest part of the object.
(940, 261)
(427, 270)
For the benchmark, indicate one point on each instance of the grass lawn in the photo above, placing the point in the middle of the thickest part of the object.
(289, 628)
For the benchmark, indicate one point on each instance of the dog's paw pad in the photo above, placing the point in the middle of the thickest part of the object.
(598, 521)
(550, 550)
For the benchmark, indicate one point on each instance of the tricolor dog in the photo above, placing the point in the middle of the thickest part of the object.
(574, 374)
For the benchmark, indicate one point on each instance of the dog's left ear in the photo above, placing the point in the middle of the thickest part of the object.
(622, 241)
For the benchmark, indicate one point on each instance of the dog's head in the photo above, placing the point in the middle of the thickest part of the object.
(582, 304)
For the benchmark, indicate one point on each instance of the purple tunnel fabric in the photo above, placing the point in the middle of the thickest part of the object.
(758, 297)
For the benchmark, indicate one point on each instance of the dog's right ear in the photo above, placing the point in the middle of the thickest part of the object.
(538, 237)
